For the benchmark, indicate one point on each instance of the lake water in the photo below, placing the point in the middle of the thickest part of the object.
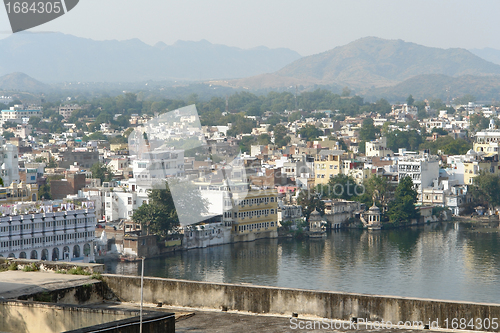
(451, 261)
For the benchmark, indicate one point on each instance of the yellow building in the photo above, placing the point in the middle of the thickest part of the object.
(328, 163)
(255, 215)
(18, 193)
(474, 168)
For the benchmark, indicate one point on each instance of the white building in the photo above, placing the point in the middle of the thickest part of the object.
(154, 167)
(8, 162)
(378, 148)
(67, 110)
(16, 114)
(64, 235)
(290, 214)
(422, 170)
(120, 204)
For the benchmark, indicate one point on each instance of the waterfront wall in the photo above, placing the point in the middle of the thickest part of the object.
(286, 301)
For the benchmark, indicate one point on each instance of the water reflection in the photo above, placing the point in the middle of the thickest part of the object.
(446, 261)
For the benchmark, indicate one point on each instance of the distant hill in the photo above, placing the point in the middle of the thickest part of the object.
(374, 62)
(21, 82)
(56, 57)
(484, 88)
(489, 54)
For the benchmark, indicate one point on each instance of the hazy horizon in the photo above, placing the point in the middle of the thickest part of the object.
(306, 27)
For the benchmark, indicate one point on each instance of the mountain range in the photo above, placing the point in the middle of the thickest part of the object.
(373, 62)
(372, 67)
(56, 57)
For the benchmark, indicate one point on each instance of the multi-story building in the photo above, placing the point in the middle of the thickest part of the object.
(481, 163)
(338, 211)
(8, 162)
(120, 204)
(67, 110)
(16, 114)
(328, 163)
(290, 214)
(422, 170)
(488, 141)
(254, 215)
(63, 235)
(156, 166)
(84, 157)
(378, 148)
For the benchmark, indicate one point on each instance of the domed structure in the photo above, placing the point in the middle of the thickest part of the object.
(373, 217)
(316, 225)
(315, 213)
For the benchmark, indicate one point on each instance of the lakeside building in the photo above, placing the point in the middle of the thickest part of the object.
(41, 233)
(422, 169)
(248, 213)
(290, 215)
(255, 215)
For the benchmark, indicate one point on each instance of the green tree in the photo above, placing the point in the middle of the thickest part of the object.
(52, 163)
(465, 99)
(264, 139)
(340, 187)
(44, 192)
(439, 131)
(410, 100)
(156, 218)
(346, 92)
(9, 124)
(410, 140)
(294, 116)
(402, 209)
(310, 200)
(34, 121)
(101, 171)
(7, 135)
(368, 130)
(342, 144)
(437, 104)
(378, 187)
(160, 217)
(246, 143)
(310, 132)
(280, 137)
(447, 145)
(95, 136)
(487, 189)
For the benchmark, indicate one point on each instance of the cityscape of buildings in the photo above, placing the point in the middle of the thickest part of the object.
(54, 206)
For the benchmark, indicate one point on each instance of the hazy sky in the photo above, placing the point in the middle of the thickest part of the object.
(307, 27)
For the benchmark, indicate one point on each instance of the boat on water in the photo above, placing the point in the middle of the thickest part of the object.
(129, 258)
